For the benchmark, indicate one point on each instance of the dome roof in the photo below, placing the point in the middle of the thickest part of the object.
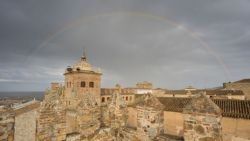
(82, 65)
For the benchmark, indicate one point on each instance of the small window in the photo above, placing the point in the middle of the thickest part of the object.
(126, 98)
(91, 84)
(108, 98)
(103, 99)
(83, 84)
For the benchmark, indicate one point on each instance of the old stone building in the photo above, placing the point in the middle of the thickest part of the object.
(80, 110)
(79, 80)
(7, 119)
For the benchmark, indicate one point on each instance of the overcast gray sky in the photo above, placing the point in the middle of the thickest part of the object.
(171, 43)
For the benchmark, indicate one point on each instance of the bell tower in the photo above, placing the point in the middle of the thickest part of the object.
(81, 80)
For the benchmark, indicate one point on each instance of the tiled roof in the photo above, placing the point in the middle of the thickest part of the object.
(234, 108)
(224, 92)
(208, 92)
(175, 92)
(174, 104)
(230, 108)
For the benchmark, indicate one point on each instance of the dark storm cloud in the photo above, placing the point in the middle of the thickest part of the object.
(133, 40)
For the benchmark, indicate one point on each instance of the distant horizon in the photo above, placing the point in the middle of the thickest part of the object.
(132, 86)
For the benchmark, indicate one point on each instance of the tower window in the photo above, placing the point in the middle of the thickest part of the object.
(91, 84)
(83, 84)
(103, 99)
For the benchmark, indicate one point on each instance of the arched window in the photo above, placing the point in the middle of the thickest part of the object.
(91, 84)
(103, 99)
(83, 84)
(126, 98)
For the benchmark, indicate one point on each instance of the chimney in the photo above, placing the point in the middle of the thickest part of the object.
(54, 85)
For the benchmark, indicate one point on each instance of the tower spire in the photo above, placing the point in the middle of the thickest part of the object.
(84, 58)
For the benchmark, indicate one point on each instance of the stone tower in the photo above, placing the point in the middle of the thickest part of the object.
(79, 80)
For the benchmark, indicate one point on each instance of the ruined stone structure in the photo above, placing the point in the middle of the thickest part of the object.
(6, 124)
(150, 116)
(51, 122)
(202, 120)
(117, 111)
(85, 118)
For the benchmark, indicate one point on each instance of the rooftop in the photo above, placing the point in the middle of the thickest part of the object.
(27, 108)
(229, 107)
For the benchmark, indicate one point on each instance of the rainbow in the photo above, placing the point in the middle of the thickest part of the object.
(82, 20)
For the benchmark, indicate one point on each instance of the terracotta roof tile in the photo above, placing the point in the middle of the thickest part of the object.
(208, 92)
(230, 108)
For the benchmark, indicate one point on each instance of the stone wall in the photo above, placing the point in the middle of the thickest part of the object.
(132, 117)
(202, 120)
(77, 78)
(202, 128)
(235, 129)
(173, 123)
(25, 126)
(51, 122)
(6, 125)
